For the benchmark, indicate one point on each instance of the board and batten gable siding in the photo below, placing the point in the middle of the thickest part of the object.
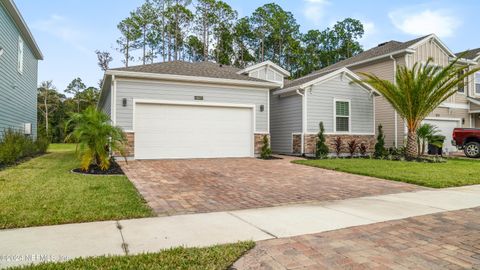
(18, 92)
(431, 49)
(162, 90)
(321, 107)
(285, 119)
(384, 112)
(266, 73)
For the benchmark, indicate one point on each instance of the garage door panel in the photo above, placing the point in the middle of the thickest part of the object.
(178, 131)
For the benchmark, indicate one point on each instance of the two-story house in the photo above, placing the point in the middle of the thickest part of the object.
(473, 86)
(383, 61)
(19, 55)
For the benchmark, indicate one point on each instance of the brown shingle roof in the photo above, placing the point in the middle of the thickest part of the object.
(197, 69)
(383, 49)
(469, 54)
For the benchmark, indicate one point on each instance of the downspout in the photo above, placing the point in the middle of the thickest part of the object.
(303, 124)
(395, 111)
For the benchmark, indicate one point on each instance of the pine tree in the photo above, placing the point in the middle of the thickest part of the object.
(321, 150)
(380, 145)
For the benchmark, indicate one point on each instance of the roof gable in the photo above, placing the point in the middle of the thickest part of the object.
(434, 38)
(17, 18)
(473, 54)
(267, 63)
(307, 81)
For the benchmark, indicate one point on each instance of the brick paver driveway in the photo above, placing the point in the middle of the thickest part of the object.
(208, 185)
(448, 240)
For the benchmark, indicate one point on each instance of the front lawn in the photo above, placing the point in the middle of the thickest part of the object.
(453, 173)
(43, 191)
(215, 257)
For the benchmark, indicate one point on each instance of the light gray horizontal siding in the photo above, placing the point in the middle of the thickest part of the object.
(285, 119)
(18, 92)
(179, 92)
(107, 103)
(320, 106)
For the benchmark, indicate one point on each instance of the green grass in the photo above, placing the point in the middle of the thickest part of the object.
(453, 173)
(43, 191)
(215, 257)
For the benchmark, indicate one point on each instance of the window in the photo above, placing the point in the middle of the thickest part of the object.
(477, 83)
(342, 116)
(20, 55)
(461, 86)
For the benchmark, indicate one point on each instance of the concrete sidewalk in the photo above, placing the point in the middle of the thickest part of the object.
(63, 242)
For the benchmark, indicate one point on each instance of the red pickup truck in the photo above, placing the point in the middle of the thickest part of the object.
(467, 139)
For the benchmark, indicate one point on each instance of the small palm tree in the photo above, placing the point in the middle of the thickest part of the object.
(418, 91)
(426, 133)
(96, 137)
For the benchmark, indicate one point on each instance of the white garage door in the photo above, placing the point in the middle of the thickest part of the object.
(164, 131)
(446, 129)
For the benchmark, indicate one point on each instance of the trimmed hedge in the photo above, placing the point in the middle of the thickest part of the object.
(14, 145)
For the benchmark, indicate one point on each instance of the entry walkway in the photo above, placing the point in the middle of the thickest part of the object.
(62, 242)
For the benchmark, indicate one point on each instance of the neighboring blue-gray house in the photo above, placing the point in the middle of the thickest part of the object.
(19, 55)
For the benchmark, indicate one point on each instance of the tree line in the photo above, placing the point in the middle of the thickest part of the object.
(210, 30)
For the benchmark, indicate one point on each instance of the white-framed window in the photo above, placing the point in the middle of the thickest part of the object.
(477, 83)
(461, 87)
(20, 55)
(342, 117)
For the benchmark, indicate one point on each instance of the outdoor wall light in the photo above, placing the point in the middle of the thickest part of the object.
(124, 102)
(1, 51)
(262, 108)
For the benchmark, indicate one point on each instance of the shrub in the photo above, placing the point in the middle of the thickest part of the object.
(352, 147)
(266, 152)
(14, 145)
(338, 145)
(380, 145)
(96, 137)
(42, 143)
(321, 150)
(363, 149)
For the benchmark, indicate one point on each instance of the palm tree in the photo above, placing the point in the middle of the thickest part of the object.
(96, 137)
(418, 91)
(427, 133)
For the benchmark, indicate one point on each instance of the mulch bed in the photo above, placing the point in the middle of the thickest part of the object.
(270, 158)
(114, 169)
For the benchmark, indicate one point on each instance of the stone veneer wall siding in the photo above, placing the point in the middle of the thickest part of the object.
(130, 148)
(311, 141)
(297, 144)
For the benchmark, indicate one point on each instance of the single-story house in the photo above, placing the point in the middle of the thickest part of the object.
(191, 110)
(206, 110)
(346, 109)
(19, 55)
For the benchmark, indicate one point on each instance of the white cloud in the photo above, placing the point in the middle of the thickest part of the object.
(314, 10)
(370, 37)
(59, 27)
(423, 22)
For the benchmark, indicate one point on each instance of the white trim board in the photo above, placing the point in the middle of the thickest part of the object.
(454, 105)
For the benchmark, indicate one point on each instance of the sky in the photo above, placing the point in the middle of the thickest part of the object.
(69, 31)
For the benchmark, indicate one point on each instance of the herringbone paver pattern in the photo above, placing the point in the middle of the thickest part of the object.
(209, 185)
(448, 240)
